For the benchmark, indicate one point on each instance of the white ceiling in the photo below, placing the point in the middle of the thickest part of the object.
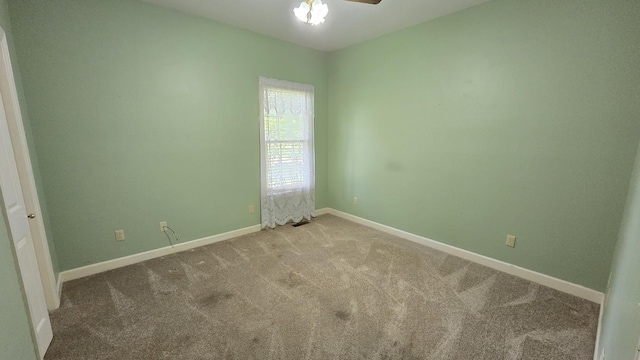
(346, 24)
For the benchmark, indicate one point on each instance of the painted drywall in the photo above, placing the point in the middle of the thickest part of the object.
(16, 341)
(620, 330)
(5, 22)
(142, 114)
(511, 117)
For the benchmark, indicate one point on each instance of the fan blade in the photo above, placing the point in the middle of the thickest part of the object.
(372, 2)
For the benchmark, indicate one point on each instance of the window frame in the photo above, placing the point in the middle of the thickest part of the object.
(267, 85)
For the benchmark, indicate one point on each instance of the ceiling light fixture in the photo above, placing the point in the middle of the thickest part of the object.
(311, 11)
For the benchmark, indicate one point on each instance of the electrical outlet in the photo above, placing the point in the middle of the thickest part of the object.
(511, 241)
(251, 209)
(163, 224)
(355, 200)
(119, 235)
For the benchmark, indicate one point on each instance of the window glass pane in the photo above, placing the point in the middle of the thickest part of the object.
(286, 164)
(285, 115)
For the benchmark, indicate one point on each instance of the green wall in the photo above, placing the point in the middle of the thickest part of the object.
(621, 317)
(512, 117)
(141, 114)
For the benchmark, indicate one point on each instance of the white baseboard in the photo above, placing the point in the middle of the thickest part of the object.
(546, 280)
(59, 289)
(92, 269)
(151, 254)
(597, 351)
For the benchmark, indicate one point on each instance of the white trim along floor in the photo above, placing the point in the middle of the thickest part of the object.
(546, 280)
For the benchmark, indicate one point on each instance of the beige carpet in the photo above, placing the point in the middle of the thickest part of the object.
(330, 289)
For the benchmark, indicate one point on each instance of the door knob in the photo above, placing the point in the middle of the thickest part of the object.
(31, 216)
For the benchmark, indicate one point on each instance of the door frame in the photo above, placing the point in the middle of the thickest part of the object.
(25, 173)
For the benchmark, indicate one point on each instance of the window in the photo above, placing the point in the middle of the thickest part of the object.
(287, 153)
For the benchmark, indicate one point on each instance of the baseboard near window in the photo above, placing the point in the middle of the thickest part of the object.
(542, 279)
(97, 268)
(323, 211)
(93, 269)
(546, 280)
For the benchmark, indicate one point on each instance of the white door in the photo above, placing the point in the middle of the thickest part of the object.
(25, 173)
(23, 243)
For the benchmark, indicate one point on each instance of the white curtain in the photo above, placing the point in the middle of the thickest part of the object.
(286, 152)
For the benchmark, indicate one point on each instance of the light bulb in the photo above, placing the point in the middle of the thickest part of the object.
(302, 11)
(318, 12)
(312, 14)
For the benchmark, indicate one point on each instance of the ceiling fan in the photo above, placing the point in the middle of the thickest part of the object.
(313, 11)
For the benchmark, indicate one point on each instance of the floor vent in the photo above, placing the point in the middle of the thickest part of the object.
(303, 222)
